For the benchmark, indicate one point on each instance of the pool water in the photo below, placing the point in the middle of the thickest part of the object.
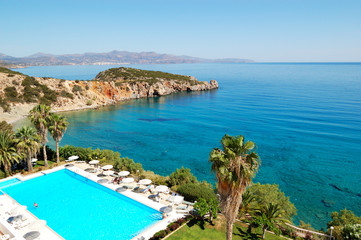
(10, 182)
(77, 208)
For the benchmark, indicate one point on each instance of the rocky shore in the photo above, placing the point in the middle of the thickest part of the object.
(77, 95)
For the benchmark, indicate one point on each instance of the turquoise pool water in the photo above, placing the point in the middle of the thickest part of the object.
(78, 208)
(9, 183)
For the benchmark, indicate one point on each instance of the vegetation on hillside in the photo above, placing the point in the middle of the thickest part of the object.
(132, 75)
(28, 90)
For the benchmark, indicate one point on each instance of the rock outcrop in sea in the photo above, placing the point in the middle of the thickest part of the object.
(19, 93)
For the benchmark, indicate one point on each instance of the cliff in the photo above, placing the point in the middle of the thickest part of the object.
(19, 93)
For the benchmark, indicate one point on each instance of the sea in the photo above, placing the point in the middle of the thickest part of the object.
(304, 117)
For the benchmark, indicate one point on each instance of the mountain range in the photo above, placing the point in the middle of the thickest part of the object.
(113, 57)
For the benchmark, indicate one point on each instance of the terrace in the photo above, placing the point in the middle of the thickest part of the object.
(31, 223)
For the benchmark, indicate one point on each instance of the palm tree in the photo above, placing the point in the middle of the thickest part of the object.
(269, 216)
(245, 206)
(40, 117)
(28, 143)
(8, 153)
(57, 129)
(235, 166)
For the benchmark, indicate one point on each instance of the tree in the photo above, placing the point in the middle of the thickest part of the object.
(182, 176)
(28, 143)
(246, 206)
(268, 217)
(341, 219)
(40, 116)
(351, 232)
(204, 207)
(57, 128)
(264, 194)
(8, 153)
(235, 166)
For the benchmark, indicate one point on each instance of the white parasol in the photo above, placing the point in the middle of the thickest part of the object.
(161, 188)
(108, 173)
(72, 158)
(93, 162)
(123, 173)
(145, 181)
(107, 167)
(128, 180)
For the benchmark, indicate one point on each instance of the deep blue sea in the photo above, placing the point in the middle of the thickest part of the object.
(305, 119)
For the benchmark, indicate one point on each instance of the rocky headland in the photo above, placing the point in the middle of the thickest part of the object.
(19, 93)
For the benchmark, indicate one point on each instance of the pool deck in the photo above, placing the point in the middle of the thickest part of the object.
(46, 233)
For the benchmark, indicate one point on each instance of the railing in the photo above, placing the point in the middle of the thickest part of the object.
(306, 231)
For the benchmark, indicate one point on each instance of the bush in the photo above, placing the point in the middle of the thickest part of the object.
(77, 81)
(77, 88)
(182, 176)
(180, 221)
(193, 191)
(159, 235)
(83, 153)
(50, 153)
(89, 102)
(66, 94)
(173, 226)
(11, 93)
(86, 87)
(4, 126)
(128, 164)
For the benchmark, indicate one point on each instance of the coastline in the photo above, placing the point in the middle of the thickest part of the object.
(13, 118)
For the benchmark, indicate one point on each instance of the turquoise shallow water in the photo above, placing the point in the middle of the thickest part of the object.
(305, 119)
(71, 204)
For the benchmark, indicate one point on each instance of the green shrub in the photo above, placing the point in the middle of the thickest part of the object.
(193, 191)
(66, 94)
(182, 176)
(159, 235)
(4, 126)
(77, 81)
(77, 88)
(4, 105)
(173, 226)
(128, 164)
(11, 93)
(86, 87)
(89, 102)
(30, 81)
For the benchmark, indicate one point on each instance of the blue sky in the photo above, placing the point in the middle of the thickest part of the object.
(262, 30)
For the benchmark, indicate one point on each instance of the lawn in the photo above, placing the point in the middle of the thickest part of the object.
(199, 231)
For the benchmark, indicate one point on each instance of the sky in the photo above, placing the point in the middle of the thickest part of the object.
(262, 30)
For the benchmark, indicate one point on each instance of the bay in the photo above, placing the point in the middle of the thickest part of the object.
(304, 117)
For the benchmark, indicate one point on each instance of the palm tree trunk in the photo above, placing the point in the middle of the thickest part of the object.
(57, 152)
(264, 232)
(7, 168)
(30, 164)
(229, 230)
(45, 157)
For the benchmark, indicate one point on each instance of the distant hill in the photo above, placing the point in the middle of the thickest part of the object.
(113, 57)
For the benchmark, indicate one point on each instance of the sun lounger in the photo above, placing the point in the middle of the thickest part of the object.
(145, 190)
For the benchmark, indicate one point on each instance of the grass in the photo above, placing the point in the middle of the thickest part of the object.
(206, 231)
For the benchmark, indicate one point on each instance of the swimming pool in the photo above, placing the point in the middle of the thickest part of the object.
(9, 182)
(78, 208)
